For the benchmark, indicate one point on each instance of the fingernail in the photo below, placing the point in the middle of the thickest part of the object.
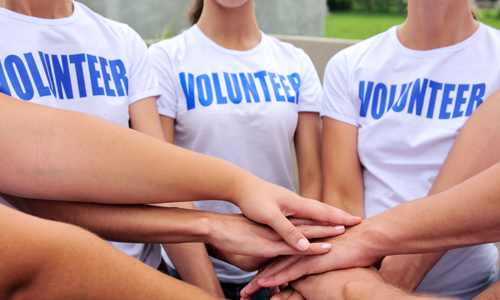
(303, 244)
(262, 280)
(339, 227)
(326, 246)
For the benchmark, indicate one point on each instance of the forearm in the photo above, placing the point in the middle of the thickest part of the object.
(307, 144)
(311, 187)
(194, 266)
(123, 223)
(474, 151)
(342, 171)
(75, 264)
(470, 209)
(490, 294)
(408, 271)
(91, 167)
(246, 263)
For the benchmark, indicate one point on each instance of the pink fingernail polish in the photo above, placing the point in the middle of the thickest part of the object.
(326, 246)
(303, 244)
(339, 227)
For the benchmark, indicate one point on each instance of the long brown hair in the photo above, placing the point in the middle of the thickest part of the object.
(195, 12)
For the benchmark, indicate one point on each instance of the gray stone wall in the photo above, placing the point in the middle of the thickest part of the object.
(149, 17)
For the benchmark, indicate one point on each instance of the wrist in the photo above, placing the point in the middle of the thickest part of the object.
(243, 184)
(372, 239)
(367, 289)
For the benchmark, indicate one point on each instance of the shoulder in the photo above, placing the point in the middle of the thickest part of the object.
(285, 48)
(175, 46)
(351, 56)
(121, 31)
(489, 32)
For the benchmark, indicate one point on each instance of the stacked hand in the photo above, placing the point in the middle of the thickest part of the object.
(330, 285)
(269, 204)
(348, 251)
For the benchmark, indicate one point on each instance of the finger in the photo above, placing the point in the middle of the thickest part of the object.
(318, 232)
(274, 290)
(282, 248)
(314, 210)
(288, 294)
(298, 222)
(279, 247)
(283, 295)
(304, 266)
(289, 232)
(296, 296)
(270, 269)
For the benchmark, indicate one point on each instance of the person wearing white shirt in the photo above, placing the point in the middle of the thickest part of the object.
(231, 91)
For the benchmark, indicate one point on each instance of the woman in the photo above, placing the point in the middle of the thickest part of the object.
(230, 91)
(393, 107)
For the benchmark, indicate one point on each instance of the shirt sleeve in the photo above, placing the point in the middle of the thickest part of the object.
(310, 92)
(167, 102)
(337, 102)
(142, 78)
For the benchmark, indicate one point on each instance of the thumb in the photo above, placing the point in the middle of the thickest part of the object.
(290, 234)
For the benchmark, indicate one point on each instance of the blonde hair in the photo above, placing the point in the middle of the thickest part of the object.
(474, 10)
(195, 12)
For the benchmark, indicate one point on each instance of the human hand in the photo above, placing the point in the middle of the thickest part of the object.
(270, 204)
(349, 251)
(332, 285)
(238, 235)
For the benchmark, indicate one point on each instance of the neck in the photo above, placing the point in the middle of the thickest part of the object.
(46, 9)
(433, 24)
(231, 28)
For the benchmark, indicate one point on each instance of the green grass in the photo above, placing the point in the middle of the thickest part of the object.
(490, 17)
(360, 26)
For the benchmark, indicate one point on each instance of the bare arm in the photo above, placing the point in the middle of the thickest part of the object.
(308, 149)
(191, 261)
(351, 284)
(62, 155)
(475, 150)
(490, 294)
(75, 265)
(143, 118)
(400, 230)
(342, 175)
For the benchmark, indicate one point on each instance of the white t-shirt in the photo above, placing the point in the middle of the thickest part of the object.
(83, 63)
(241, 106)
(409, 107)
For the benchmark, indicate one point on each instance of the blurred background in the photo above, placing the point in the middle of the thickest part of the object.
(346, 19)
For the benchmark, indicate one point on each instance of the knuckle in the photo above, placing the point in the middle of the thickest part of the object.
(291, 232)
(305, 228)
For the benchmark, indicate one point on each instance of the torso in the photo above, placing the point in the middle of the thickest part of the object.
(409, 107)
(241, 106)
(84, 63)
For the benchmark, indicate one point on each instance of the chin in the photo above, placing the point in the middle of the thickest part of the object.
(231, 3)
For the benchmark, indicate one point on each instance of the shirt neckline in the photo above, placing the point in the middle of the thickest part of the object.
(435, 52)
(42, 21)
(218, 47)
